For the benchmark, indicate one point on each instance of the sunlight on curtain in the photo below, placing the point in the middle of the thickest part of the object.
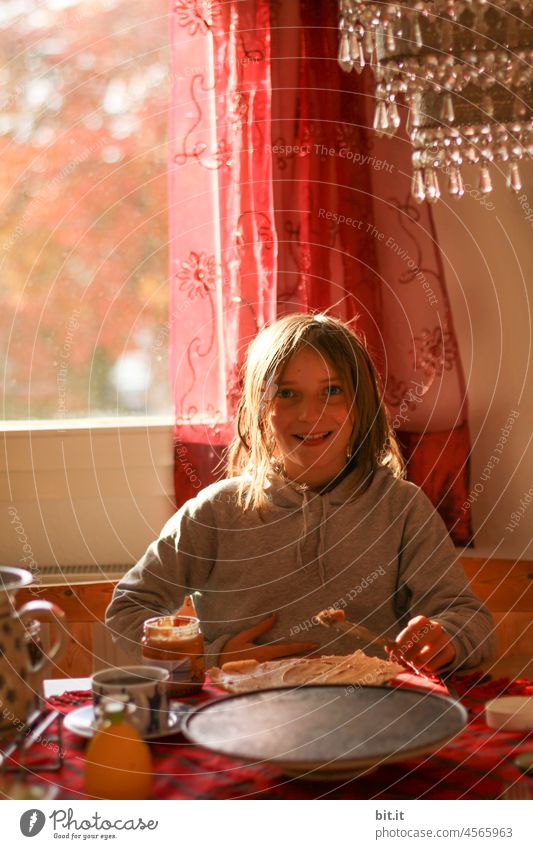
(222, 239)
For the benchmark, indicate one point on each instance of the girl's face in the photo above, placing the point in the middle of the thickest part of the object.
(311, 418)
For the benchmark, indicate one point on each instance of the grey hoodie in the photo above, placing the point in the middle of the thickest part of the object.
(382, 555)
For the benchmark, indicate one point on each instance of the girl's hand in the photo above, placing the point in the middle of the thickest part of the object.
(242, 647)
(426, 644)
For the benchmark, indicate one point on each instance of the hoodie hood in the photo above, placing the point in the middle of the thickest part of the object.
(315, 507)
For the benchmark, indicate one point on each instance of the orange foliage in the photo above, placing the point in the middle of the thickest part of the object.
(83, 204)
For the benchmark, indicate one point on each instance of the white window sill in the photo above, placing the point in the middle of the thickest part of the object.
(139, 423)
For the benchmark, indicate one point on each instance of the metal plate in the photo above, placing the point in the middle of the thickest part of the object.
(326, 731)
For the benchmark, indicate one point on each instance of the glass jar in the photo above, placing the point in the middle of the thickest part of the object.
(176, 643)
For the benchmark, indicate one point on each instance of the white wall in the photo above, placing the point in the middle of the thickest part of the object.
(488, 252)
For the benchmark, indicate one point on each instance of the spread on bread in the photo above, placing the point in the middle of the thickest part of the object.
(357, 669)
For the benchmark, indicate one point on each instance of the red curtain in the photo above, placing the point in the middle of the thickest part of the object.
(282, 199)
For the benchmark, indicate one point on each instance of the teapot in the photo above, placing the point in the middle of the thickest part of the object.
(23, 666)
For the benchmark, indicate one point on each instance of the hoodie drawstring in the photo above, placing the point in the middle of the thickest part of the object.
(322, 544)
(321, 538)
(299, 558)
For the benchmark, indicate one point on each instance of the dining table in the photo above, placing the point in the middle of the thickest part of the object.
(477, 763)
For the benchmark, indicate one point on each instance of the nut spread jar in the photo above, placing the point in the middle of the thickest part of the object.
(176, 643)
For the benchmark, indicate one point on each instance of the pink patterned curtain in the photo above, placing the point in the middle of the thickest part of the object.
(222, 235)
(284, 200)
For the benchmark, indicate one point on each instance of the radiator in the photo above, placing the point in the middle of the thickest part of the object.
(82, 574)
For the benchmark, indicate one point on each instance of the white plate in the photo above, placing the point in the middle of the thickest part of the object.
(81, 722)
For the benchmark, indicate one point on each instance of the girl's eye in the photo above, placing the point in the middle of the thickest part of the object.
(331, 390)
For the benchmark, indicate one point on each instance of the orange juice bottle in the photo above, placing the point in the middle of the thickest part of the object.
(118, 763)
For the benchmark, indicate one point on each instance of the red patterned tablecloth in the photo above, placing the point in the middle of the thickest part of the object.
(477, 764)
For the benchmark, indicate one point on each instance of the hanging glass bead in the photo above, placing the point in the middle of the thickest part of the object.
(460, 184)
(432, 185)
(488, 105)
(359, 59)
(344, 57)
(394, 116)
(390, 43)
(354, 46)
(381, 118)
(450, 8)
(447, 113)
(417, 33)
(513, 177)
(379, 71)
(418, 159)
(413, 116)
(485, 183)
(453, 183)
(418, 190)
(503, 153)
(368, 43)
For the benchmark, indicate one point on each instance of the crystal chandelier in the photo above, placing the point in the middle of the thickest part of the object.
(464, 69)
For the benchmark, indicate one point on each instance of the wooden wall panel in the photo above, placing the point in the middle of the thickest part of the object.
(505, 586)
(502, 584)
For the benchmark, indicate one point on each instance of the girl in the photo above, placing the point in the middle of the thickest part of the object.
(314, 513)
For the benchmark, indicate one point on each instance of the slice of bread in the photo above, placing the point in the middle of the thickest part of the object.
(357, 668)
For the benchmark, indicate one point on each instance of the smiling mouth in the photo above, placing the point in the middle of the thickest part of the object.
(313, 438)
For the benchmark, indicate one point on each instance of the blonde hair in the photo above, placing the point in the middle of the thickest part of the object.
(251, 451)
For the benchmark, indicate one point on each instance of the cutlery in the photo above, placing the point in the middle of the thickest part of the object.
(22, 742)
(360, 631)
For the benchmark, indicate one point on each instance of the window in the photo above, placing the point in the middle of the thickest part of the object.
(83, 208)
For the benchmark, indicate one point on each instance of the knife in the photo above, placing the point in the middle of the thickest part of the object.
(361, 632)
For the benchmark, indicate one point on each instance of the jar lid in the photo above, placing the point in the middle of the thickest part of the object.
(173, 626)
